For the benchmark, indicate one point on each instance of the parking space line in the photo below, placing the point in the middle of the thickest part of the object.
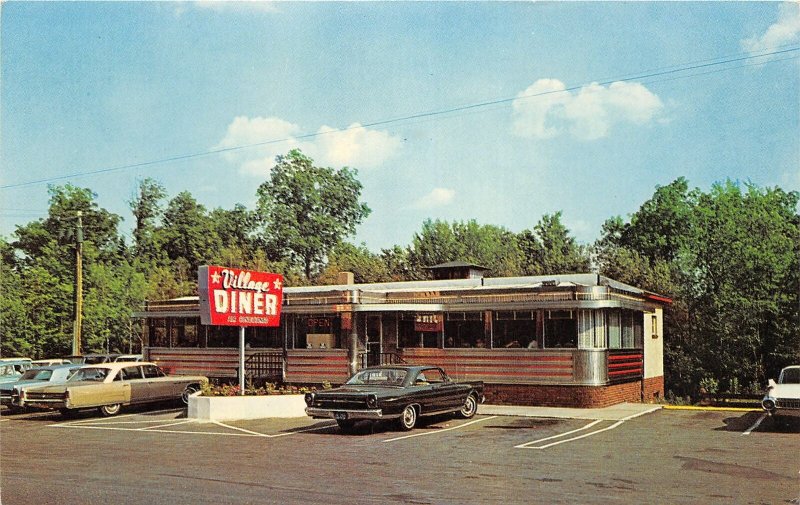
(255, 433)
(183, 421)
(424, 433)
(579, 437)
(615, 425)
(755, 425)
(525, 445)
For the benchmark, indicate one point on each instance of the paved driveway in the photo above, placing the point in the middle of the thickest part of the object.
(160, 457)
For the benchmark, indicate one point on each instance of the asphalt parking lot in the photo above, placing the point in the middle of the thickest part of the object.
(161, 457)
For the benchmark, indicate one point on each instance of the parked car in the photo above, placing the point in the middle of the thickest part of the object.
(91, 359)
(398, 392)
(129, 357)
(783, 397)
(11, 369)
(50, 362)
(10, 392)
(110, 386)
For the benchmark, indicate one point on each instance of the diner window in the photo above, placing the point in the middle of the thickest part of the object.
(560, 329)
(223, 336)
(465, 329)
(184, 332)
(419, 329)
(591, 329)
(314, 329)
(614, 329)
(265, 337)
(158, 333)
(515, 329)
(627, 330)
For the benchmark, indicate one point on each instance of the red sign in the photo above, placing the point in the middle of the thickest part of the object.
(428, 322)
(234, 297)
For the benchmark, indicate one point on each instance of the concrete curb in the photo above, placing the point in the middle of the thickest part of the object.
(711, 409)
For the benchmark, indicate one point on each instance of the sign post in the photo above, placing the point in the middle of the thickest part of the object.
(236, 297)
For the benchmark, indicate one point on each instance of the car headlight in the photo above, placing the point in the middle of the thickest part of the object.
(768, 404)
(372, 401)
(309, 399)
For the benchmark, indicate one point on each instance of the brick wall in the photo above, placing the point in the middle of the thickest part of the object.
(574, 396)
(654, 389)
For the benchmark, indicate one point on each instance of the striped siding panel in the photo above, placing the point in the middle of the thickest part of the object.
(625, 365)
(222, 362)
(314, 366)
(497, 365)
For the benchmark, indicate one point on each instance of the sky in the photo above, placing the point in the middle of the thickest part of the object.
(495, 111)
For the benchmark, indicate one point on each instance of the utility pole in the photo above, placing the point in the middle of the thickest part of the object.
(76, 335)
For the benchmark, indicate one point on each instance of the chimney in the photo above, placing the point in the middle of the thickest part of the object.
(346, 278)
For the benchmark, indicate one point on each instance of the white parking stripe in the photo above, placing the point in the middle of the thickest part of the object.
(424, 433)
(256, 434)
(755, 425)
(579, 437)
(114, 426)
(627, 418)
(525, 445)
(183, 421)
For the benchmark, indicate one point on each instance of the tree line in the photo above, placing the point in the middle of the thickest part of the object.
(729, 258)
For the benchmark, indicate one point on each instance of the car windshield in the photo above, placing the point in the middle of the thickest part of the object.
(90, 374)
(791, 376)
(379, 377)
(38, 375)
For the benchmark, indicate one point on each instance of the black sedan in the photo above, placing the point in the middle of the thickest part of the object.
(397, 392)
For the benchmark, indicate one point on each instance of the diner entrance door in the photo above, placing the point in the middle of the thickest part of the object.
(374, 339)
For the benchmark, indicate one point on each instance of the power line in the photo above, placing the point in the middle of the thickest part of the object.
(422, 115)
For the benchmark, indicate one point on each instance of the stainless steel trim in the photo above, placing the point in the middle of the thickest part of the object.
(590, 367)
(351, 414)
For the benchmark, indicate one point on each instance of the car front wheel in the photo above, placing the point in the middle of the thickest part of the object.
(409, 418)
(110, 410)
(470, 407)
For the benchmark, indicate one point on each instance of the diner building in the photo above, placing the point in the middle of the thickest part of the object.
(579, 340)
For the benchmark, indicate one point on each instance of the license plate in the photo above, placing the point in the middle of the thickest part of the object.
(340, 416)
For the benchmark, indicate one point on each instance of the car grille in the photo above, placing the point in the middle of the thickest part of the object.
(788, 403)
(343, 403)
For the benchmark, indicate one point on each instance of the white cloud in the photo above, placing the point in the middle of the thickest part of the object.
(785, 31)
(545, 109)
(355, 146)
(438, 197)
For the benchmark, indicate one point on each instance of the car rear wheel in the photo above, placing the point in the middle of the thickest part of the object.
(189, 391)
(67, 413)
(346, 426)
(409, 418)
(110, 410)
(470, 407)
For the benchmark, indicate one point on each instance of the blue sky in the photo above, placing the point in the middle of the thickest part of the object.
(574, 124)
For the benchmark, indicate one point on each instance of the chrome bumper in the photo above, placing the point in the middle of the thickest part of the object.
(374, 414)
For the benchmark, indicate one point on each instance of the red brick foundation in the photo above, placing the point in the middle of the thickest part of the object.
(648, 390)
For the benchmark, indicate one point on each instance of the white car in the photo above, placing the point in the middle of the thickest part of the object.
(783, 397)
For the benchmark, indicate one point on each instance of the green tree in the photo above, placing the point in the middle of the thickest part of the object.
(345, 257)
(188, 233)
(549, 249)
(729, 258)
(147, 210)
(308, 210)
(489, 246)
